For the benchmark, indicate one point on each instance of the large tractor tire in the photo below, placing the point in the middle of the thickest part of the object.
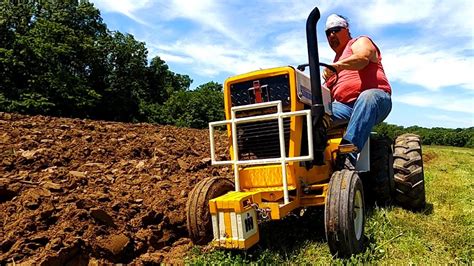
(379, 183)
(409, 175)
(198, 217)
(344, 214)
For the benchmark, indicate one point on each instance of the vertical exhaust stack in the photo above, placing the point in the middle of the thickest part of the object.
(317, 107)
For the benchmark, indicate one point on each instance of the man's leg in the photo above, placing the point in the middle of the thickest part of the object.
(371, 107)
(341, 111)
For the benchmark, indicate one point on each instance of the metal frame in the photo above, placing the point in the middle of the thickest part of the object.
(283, 160)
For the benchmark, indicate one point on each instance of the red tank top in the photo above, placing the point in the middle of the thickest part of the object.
(352, 82)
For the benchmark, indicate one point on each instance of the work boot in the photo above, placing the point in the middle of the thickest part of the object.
(347, 156)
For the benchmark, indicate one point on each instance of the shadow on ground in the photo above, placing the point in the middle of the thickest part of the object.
(289, 235)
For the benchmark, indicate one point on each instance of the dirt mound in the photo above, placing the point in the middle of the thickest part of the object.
(83, 191)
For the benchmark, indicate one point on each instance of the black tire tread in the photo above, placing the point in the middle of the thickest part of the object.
(408, 172)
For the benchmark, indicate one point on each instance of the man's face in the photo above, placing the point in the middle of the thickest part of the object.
(334, 37)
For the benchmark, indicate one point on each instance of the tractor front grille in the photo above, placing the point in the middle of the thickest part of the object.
(276, 88)
(259, 140)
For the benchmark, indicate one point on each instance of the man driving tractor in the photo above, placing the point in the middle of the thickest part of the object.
(362, 92)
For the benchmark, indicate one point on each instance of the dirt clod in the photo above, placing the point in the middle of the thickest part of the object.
(52, 186)
(115, 244)
(102, 216)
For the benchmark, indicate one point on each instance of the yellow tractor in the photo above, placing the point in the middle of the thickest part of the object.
(284, 152)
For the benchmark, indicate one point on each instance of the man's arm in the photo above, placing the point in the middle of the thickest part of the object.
(363, 52)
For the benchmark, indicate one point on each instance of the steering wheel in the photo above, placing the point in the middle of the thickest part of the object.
(302, 67)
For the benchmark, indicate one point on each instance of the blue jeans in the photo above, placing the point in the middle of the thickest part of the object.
(371, 107)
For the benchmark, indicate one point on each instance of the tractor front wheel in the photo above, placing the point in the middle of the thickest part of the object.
(198, 217)
(344, 214)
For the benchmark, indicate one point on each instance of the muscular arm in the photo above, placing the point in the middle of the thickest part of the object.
(363, 52)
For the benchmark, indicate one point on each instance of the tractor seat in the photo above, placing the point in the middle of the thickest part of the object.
(338, 124)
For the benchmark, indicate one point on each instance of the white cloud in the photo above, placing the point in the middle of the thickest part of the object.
(126, 7)
(213, 59)
(414, 99)
(239, 61)
(386, 12)
(290, 11)
(294, 11)
(175, 58)
(326, 54)
(427, 67)
(122, 6)
(291, 46)
(206, 13)
(425, 14)
(442, 101)
(456, 122)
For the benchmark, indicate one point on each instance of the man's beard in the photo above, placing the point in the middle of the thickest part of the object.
(334, 43)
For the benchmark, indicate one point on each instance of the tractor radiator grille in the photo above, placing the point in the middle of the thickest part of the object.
(259, 140)
(275, 88)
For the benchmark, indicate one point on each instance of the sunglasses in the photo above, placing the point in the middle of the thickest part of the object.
(333, 30)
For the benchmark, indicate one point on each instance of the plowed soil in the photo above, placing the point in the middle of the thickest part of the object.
(84, 192)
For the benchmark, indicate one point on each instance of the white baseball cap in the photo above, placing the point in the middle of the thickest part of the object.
(335, 20)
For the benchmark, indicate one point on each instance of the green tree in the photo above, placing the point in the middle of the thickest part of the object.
(460, 137)
(50, 56)
(195, 108)
(15, 21)
(161, 84)
(125, 82)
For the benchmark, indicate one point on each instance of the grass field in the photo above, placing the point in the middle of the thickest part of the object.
(442, 233)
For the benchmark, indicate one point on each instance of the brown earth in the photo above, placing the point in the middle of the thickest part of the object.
(81, 192)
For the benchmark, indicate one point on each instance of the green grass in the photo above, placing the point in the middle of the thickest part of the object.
(443, 233)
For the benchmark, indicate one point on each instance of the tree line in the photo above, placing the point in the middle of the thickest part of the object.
(59, 58)
(459, 137)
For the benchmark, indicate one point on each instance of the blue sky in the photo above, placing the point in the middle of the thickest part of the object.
(427, 46)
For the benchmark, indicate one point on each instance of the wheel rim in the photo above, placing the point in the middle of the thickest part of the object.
(358, 214)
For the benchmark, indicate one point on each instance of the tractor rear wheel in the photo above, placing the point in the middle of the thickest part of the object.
(198, 217)
(409, 176)
(379, 183)
(344, 214)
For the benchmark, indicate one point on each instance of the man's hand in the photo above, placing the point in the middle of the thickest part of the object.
(327, 73)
